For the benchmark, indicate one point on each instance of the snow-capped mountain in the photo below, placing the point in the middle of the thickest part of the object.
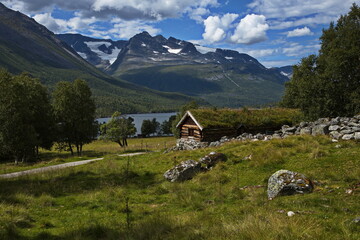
(99, 52)
(220, 76)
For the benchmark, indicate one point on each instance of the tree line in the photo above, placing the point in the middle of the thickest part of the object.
(119, 128)
(31, 118)
(328, 84)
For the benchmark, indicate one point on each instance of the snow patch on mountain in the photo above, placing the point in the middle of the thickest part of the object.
(83, 55)
(285, 74)
(111, 57)
(204, 50)
(173, 50)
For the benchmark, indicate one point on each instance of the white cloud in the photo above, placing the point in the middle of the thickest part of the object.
(154, 9)
(74, 24)
(55, 25)
(127, 29)
(297, 50)
(251, 29)
(311, 21)
(294, 13)
(298, 32)
(198, 13)
(124, 9)
(280, 63)
(216, 27)
(261, 52)
(297, 8)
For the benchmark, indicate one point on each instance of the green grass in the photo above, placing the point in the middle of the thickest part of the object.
(89, 201)
(265, 118)
(95, 149)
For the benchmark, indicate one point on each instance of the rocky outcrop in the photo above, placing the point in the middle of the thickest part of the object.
(212, 159)
(188, 169)
(188, 144)
(285, 182)
(184, 171)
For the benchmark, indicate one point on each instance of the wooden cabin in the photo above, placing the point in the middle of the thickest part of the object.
(190, 128)
(208, 125)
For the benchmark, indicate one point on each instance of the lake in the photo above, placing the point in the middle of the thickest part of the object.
(139, 118)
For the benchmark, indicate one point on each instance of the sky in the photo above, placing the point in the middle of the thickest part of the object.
(276, 32)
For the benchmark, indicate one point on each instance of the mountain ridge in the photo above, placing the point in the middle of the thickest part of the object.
(223, 77)
(26, 46)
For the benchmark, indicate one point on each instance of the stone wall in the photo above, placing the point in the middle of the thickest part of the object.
(343, 128)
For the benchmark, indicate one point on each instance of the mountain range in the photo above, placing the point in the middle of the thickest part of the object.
(222, 77)
(26, 46)
(145, 73)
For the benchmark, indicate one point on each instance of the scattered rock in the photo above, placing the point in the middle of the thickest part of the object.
(335, 135)
(334, 128)
(287, 129)
(276, 136)
(321, 129)
(189, 144)
(346, 131)
(357, 136)
(357, 220)
(348, 191)
(212, 159)
(215, 144)
(305, 131)
(348, 136)
(285, 182)
(247, 157)
(290, 213)
(184, 171)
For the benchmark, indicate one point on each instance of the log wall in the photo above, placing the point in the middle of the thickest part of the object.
(190, 124)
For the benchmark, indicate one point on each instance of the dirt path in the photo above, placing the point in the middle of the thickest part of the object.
(60, 166)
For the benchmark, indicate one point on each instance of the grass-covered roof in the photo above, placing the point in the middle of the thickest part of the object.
(252, 119)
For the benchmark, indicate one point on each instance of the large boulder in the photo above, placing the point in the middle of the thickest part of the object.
(184, 171)
(212, 159)
(285, 182)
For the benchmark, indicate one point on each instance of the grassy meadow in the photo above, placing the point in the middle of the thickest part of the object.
(95, 149)
(128, 198)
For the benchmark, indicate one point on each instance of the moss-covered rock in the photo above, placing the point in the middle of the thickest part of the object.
(285, 182)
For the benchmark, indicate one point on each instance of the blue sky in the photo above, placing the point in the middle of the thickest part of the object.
(276, 32)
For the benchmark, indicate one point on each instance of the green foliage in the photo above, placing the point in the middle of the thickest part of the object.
(328, 85)
(255, 119)
(166, 126)
(25, 116)
(149, 127)
(118, 129)
(74, 111)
